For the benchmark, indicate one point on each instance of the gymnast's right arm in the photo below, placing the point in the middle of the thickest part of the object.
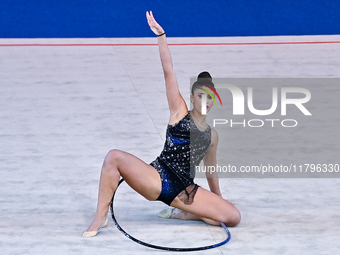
(177, 105)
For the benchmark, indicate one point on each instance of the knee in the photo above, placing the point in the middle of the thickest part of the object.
(233, 219)
(113, 157)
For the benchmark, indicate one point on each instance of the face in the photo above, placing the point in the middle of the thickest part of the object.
(196, 99)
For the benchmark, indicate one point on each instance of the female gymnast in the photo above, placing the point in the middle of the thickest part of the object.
(169, 177)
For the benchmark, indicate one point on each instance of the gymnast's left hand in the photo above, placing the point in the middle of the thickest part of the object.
(154, 26)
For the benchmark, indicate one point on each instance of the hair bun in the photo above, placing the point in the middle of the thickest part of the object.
(204, 76)
(203, 79)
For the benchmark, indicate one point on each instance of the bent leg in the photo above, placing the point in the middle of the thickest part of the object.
(210, 208)
(140, 176)
(183, 215)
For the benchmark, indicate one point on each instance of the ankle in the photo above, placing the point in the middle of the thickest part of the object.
(102, 214)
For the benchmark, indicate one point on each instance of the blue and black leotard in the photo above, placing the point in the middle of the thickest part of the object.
(184, 148)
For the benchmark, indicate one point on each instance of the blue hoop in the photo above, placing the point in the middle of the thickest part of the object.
(161, 247)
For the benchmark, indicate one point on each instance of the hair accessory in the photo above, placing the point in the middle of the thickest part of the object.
(161, 34)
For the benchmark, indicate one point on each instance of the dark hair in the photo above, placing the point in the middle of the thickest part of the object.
(204, 78)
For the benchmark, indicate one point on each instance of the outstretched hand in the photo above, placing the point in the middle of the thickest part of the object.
(154, 26)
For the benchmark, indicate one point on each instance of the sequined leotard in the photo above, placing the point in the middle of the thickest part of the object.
(184, 148)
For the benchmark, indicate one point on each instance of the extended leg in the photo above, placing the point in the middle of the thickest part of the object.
(140, 176)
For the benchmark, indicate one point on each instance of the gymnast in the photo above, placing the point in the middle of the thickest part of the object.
(170, 177)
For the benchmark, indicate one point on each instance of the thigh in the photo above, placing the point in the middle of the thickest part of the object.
(139, 175)
(209, 205)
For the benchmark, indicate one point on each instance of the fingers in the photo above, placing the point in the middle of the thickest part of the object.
(149, 16)
(155, 27)
(149, 19)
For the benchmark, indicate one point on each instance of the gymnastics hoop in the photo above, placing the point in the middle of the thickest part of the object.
(162, 247)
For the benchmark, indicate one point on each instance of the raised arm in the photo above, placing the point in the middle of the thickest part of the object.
(177, 105)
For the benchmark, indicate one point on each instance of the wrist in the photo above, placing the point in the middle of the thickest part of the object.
(161, 34)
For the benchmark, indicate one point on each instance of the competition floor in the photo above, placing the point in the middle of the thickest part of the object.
(63, 107)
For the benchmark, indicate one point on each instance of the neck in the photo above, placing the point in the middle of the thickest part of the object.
(198, 117)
